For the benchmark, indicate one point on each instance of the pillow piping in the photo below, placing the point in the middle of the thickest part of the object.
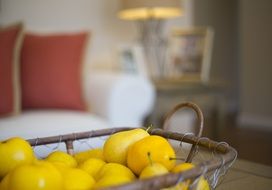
(84, 71)
(15, 68)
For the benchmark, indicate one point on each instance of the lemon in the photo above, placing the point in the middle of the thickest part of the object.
(154, 149)
(116, 146)
(152, 170)
(182, 167)
(112, 180)
(60, 166)
(62, 158)
(92, 166)
(40, 175)
(179, 186)
(114, 169)
(77, 179)
(202, 184)
(14, 152)
(92, 153)
(112, 174)
(4, 183)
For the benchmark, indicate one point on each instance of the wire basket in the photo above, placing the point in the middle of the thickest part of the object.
(211, 159)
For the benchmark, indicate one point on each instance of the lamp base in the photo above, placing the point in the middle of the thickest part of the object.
(154, 45)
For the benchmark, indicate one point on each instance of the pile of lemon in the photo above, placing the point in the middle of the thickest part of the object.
(125, 157)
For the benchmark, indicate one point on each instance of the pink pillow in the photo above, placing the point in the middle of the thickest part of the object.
(10, 44)
(51, 71)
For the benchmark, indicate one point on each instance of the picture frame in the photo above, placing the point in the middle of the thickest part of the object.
(190, 51)
(132, 60)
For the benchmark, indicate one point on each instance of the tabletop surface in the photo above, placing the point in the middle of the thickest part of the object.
(247, 175)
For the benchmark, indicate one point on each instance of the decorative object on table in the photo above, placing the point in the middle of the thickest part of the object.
(131, 59)
(190, 53)
(150, 16)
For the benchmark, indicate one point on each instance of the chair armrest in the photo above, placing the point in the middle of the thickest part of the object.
(123, 99)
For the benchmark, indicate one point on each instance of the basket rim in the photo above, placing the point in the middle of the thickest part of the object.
(227, 155)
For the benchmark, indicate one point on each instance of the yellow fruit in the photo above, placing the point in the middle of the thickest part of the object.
(92, 166)
(182, 167)
(150, 149)
(40, 175)
(85, 155)
(77, 179)
(114, 169)
(14, 152)
(4, 182)
(112, 180)
(152, 170)
(202, 184)
(116, 146)
(60, 167)
(62, 158)
(179, 186)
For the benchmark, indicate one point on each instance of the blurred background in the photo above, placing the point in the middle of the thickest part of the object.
(241, 58)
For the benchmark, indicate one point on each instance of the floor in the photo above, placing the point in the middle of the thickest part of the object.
(252, 144)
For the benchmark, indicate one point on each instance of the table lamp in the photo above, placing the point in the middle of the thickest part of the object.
(150, 16)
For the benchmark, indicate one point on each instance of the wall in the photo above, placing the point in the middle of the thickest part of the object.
(256, 63)
(242, 54)
(222, 17)
(98, 16)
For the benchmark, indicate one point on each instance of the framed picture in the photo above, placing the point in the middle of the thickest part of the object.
(190, 54)
(131, 59)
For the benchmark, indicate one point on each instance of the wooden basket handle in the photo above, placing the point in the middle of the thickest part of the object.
(200, 118)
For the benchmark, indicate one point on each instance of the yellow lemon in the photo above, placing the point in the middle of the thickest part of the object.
(4, 182)
(179, 186)
(152, 170)
(62, 158)
(14, 152)
(93, 153)
(60, 166)
(112, 180)
(116, 146)
(150, 149)
(202, 184)
(77, 179)
(92, 166)
(182, 167)
(114, 169)
(40, 175)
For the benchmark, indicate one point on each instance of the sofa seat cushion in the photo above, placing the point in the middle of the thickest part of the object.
(37, 124)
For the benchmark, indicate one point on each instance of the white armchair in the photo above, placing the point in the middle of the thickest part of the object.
(123, 99)
(115, 99)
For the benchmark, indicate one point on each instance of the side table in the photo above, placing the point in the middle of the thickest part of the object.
(247, 175)
(209, 96)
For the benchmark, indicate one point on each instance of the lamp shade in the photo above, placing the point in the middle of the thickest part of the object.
(149, 9)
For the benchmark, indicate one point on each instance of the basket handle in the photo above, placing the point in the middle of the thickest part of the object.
(200, 118)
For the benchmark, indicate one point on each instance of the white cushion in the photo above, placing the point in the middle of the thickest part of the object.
(36, 124)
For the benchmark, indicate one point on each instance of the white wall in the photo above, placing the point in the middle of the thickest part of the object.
(98, 16)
